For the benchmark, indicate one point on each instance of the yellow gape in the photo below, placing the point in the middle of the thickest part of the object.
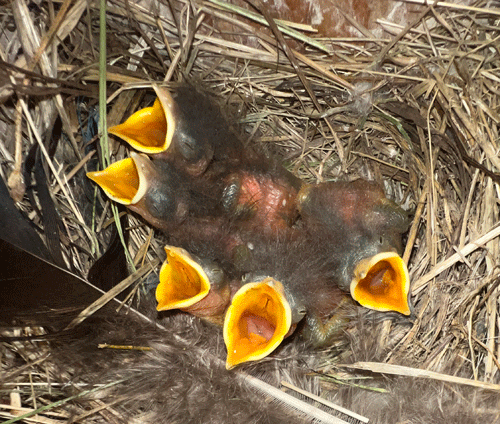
(182, 281)
(382, 283)
(121, 181)
(150, 130)
(124, 181)
(256, 322)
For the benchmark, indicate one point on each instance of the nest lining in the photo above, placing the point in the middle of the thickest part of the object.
(416, 111)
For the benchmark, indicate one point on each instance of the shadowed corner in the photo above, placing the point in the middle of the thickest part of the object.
(256, 322)
(381, 282)
(150, 130)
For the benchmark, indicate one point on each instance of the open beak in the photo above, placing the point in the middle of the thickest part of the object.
(125, 181)
(150, 130)
(256, 322)
(150, 190)
(183, 282)
(382, 283)
(192, 285)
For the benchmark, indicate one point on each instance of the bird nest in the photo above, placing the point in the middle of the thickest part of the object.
(416, 110)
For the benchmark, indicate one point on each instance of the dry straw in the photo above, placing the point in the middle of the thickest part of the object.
(417, 110)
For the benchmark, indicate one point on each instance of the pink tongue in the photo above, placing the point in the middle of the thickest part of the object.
(260, 326)
(379, 283)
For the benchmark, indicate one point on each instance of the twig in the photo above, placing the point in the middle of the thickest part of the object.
(415, 372)
(61, 402)
(16, 181)
(453, 259)
(456, 6)
(103, 300)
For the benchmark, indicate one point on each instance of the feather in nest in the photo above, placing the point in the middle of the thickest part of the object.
(182, 378)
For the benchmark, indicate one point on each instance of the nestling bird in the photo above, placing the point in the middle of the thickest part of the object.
(188, 131)
(156, 190)
(256, 248)
(259, 317)
(363, 233)
(189, 134)
(261, 312)
(302, 266)
(194, 285)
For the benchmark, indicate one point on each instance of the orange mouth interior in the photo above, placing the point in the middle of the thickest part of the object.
(382, 283)
(120, 181)
(182, 281)
(256, 322)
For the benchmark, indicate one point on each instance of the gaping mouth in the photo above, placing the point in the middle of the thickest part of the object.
(124, 181)
(256, 322)
(382, 283)
(183, 282)
(150, 130)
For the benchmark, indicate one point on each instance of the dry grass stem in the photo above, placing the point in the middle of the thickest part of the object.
(416, 109)
(414, 372)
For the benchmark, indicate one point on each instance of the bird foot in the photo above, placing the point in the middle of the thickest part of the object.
(322, 334)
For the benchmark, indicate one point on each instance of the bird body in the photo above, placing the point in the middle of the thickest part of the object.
(252, 246)
(365, 229)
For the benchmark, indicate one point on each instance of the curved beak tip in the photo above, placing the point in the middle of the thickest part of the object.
(405, 310)
(230, 363)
